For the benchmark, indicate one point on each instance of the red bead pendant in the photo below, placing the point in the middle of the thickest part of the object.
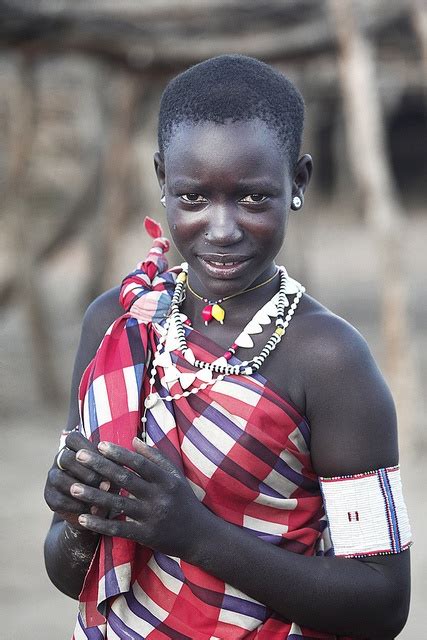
(207, 313)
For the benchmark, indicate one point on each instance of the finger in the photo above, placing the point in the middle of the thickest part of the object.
(77, 470)
(60, 480)
(115, 473)
(117, 528)
(60, 503)
(142, 465)
(107, 501)
(155, 456)
(75, 441)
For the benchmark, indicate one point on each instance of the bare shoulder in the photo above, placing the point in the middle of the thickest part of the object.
(102, 312)
(348, 402)
(328, 339)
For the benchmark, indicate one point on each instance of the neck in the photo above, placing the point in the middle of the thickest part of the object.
(218, 289)
(239, 309)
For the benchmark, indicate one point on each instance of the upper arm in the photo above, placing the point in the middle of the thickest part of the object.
(98, 317)
(349, 405)
(353, 427)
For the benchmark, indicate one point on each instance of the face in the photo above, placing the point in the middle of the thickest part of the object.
(228, 191)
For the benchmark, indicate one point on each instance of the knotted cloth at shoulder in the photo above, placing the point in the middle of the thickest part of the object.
(146, 293)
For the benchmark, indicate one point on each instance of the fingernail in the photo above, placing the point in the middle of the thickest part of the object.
(138, 441)
(83, 520)
(105, 485)
(83, 456)
(76, 489)
(103, 446)
(94, 511)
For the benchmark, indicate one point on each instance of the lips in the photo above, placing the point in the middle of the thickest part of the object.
(223, 258)
(224, 265)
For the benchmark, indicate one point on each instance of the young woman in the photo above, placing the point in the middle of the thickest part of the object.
(230, 425)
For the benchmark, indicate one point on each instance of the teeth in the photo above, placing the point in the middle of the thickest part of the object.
(222, 264)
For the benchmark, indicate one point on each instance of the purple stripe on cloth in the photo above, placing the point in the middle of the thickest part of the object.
(93, 418)
(245, 607)
(208, 596)
(142, 612)
(290, 474)
(170, 566)
(305, 431)
(267, 537)
(297, 636)
(250, 443)
(213, 598)
(220, 460)
(121, 629)
(162, 442)
(139, 354)
(92, 633)
(231, 603)
(139, 375)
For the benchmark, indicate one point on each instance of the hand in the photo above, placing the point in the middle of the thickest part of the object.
(162, 513)
(57, 488)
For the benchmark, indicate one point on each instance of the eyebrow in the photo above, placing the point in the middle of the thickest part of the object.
(247, 186)
(260, 184)
(186, 183)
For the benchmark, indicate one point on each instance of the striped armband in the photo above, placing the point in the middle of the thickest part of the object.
(366, 513)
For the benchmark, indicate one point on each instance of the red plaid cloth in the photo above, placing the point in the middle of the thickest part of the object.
(245, 452)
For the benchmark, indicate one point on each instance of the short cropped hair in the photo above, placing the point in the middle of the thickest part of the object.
(234, 88)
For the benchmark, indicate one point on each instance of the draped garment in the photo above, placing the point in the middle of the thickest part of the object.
(245, 452)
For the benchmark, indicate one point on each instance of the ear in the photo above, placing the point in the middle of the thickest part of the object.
(302, 175)
(159, 167)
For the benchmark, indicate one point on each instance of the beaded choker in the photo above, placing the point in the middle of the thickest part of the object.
(172, 337)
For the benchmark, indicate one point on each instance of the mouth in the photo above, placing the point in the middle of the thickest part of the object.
(224, 265)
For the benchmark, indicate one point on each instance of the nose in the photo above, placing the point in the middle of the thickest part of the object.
(223, 228)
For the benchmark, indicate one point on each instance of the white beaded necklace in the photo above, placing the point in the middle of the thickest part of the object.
(172, 336)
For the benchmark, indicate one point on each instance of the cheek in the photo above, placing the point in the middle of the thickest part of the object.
(269, 230)
(185, 228)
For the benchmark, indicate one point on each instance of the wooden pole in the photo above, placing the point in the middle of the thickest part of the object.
(419, 21)
(114, 201)
(27, 268)
(369, 162)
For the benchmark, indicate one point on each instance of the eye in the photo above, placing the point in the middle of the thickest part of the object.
(254, 198)
(193, 198)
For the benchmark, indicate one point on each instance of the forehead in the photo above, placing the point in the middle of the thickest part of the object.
(235, 149)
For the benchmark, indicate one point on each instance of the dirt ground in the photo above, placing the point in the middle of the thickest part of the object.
(30, 606)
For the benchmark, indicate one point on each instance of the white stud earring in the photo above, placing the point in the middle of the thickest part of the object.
(163, 200)
(296, 203)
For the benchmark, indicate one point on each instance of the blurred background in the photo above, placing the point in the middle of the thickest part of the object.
(80, 84)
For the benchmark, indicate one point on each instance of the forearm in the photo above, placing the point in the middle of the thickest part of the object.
(336, 595)
(68, 553)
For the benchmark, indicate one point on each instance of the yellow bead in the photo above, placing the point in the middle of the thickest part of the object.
(181, 277)
(279, 331)
(218, 313)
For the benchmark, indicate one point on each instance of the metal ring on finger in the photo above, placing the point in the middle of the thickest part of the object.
(59, 456)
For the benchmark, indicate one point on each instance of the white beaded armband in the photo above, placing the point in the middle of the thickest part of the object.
(366, 513)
